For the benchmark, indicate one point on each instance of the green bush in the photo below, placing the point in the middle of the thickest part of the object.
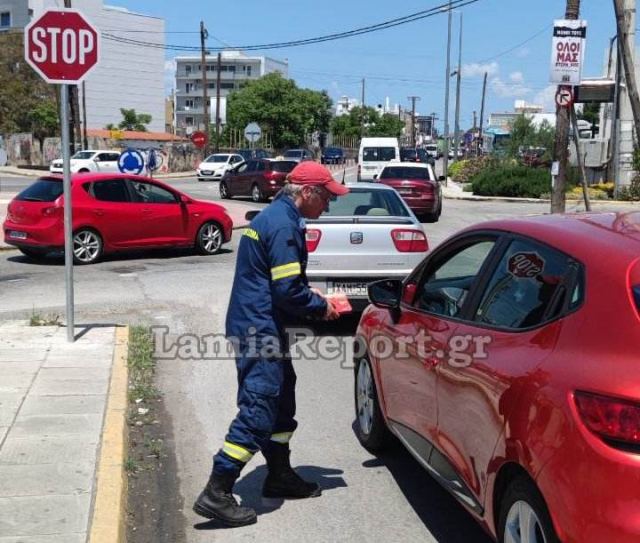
(512, 180)
(463, 171)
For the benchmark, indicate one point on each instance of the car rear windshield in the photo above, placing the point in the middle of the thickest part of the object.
(333, 151)
(378, 154)
(408, 153)
(283, 166)
(43, 190)
(369, 202)
(217, 158)
(293, 154)
(400, 172)
(83, 155)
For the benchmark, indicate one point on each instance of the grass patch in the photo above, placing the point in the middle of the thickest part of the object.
(38, 319)
(141, 365)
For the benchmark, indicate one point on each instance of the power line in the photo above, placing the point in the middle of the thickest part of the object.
(424, 14)
(547, 27)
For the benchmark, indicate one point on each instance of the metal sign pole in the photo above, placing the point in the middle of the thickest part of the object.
(68, 232)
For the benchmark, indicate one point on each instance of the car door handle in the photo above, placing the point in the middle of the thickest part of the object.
(146, 210)
(99, 212)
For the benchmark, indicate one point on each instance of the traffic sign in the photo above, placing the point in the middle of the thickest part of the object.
(199, 139)
(62, 46)
(564, 97)
(131, 161)
(252, 132)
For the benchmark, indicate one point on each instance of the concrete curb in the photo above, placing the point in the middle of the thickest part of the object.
(110, 507)
(471, 197)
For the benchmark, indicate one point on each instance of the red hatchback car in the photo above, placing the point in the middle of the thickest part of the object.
(506, 364)
(260, 179)
(418, 186)
(112, 212)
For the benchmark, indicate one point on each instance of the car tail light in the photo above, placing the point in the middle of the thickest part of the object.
(313, 239)
(409, 241)
(359, 170)
(614, 420)
(52, 211)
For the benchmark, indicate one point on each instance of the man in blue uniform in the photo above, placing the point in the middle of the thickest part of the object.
(270, 288)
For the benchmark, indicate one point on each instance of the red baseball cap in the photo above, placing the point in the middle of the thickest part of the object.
(312, 173)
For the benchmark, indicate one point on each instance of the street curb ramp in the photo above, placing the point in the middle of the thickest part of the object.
(110, 505)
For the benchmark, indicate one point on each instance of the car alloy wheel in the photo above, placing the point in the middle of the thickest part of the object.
(524, 517)
(256, 194)
(371, 428)
(224, 190)
(209, 239)
(87, 247)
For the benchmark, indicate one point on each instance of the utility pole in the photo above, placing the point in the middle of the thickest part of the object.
(218, 69)
(362, 116)
(413, 119)
(456, 136)
(433, 123)
(484, 93)
(85, 143)
(628, 101)
(561, 146)
(205, 99)
(445, 158)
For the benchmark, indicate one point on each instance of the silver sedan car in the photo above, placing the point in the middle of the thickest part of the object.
(366, 235)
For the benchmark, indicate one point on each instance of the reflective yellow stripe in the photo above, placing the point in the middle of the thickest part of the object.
(251, 233)
(237, 452)
(286, 270)
(281, 437)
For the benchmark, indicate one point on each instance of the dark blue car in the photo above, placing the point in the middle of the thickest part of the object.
(332, 155)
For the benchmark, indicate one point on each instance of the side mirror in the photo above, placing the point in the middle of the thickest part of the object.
(441, 178)
(386, 293)
(250, 215)
(375, 176)
(409, 293)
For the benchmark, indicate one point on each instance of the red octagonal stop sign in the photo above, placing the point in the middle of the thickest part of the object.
(61, 45)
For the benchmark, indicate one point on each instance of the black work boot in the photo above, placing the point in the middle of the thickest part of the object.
(282, 481)
(217, 502)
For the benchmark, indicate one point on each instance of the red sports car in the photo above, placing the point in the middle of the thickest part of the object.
(505, 363)
(112, 212)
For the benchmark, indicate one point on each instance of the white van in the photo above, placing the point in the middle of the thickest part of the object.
(375, 154)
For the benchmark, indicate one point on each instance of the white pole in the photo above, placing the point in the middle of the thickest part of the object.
(68, 231)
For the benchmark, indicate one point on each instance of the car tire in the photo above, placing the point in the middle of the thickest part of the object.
(256, 194)
(87, 246)
(209, 239)
(84, 170)
(224, 191)
(371, 429)
(523, 503)
(434, 216)
(35, 254)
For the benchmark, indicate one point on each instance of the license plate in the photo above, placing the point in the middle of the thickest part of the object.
(405, 192)
(13, 234)
(350, 289)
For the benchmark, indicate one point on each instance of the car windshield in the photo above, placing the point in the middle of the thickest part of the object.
(371, 202)
(408, 153)
(83, 155)
(378, 154)
(333, 151)
(293, 154)
(283, 166)
(217, 158)
(404, 172)
(43, 190)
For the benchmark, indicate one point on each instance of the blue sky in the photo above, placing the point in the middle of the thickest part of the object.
(402, 61)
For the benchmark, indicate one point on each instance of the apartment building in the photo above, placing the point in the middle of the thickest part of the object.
(128, 76)
(236, 68)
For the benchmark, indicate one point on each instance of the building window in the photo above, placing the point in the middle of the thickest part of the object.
(187, 68)
(189, 87)
(226, 86)
(5, 19)
(248, 71)
(188, 104)
(211, 85)
(189, 121)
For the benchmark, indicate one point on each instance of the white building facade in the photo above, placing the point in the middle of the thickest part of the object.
(128, 76)
(236, 68)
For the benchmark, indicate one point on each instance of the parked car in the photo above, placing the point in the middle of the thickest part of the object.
(216, 165)
(259, 179)
(89, 161)
(374, 154)
(299, 155)
(452, 153)
(112, 212)
(248, 154)
(333, 155)
(418, 186)
(521, 396)
(415, 154)
(368, 234)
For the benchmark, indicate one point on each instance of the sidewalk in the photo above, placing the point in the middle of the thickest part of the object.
(22, 172)
(53, 400)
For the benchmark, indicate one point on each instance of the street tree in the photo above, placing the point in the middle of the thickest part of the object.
(367, 121)
(283, 110)
(44, 122)
(132, 120)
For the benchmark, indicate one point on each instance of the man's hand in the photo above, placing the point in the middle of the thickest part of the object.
(331, 313)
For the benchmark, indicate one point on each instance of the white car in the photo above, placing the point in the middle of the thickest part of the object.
(89, 161)
(215, 166)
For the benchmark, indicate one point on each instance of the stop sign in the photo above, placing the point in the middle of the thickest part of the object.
(61, 45)
(199, 139)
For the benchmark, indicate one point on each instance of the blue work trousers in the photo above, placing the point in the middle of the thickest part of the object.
(266, 408)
